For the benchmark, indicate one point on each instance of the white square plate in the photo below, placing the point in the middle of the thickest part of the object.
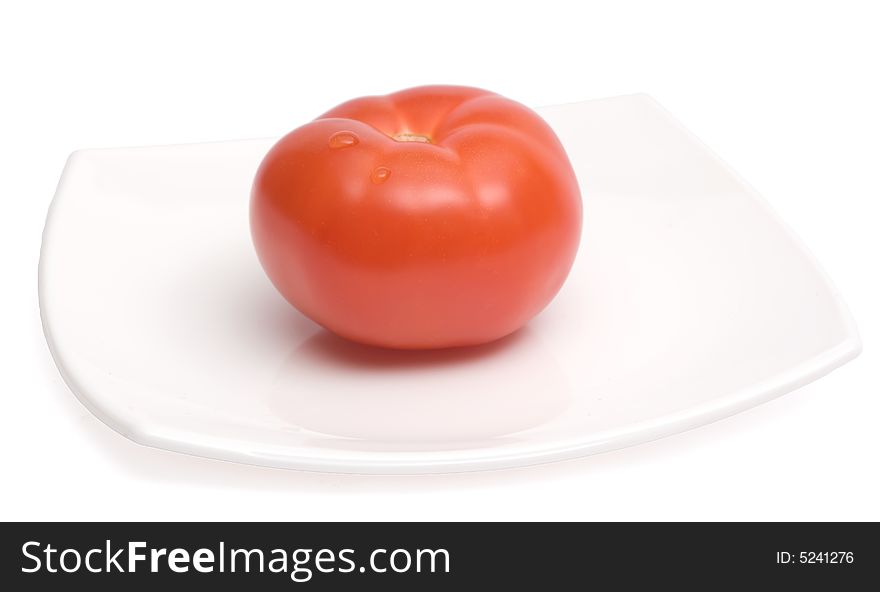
(689, 301)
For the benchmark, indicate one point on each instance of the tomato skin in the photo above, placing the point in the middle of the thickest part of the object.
(455, 233)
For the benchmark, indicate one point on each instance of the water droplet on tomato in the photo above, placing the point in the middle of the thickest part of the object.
(380, 174)
(343, 139)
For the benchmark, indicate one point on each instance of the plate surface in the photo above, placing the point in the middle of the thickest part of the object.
(689, 301)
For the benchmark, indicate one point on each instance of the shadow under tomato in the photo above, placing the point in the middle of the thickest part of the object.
(328, 347)
(342, 395)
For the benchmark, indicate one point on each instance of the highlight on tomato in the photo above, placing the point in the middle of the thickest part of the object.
(433, 217)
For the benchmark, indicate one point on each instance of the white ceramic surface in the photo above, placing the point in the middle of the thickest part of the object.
(689, 301)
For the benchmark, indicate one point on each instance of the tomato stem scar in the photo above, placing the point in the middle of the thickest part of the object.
(409, 137)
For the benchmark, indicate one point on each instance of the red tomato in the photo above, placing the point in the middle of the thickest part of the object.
(433, 217)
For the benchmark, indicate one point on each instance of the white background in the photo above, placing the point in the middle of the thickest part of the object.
(787, 93)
